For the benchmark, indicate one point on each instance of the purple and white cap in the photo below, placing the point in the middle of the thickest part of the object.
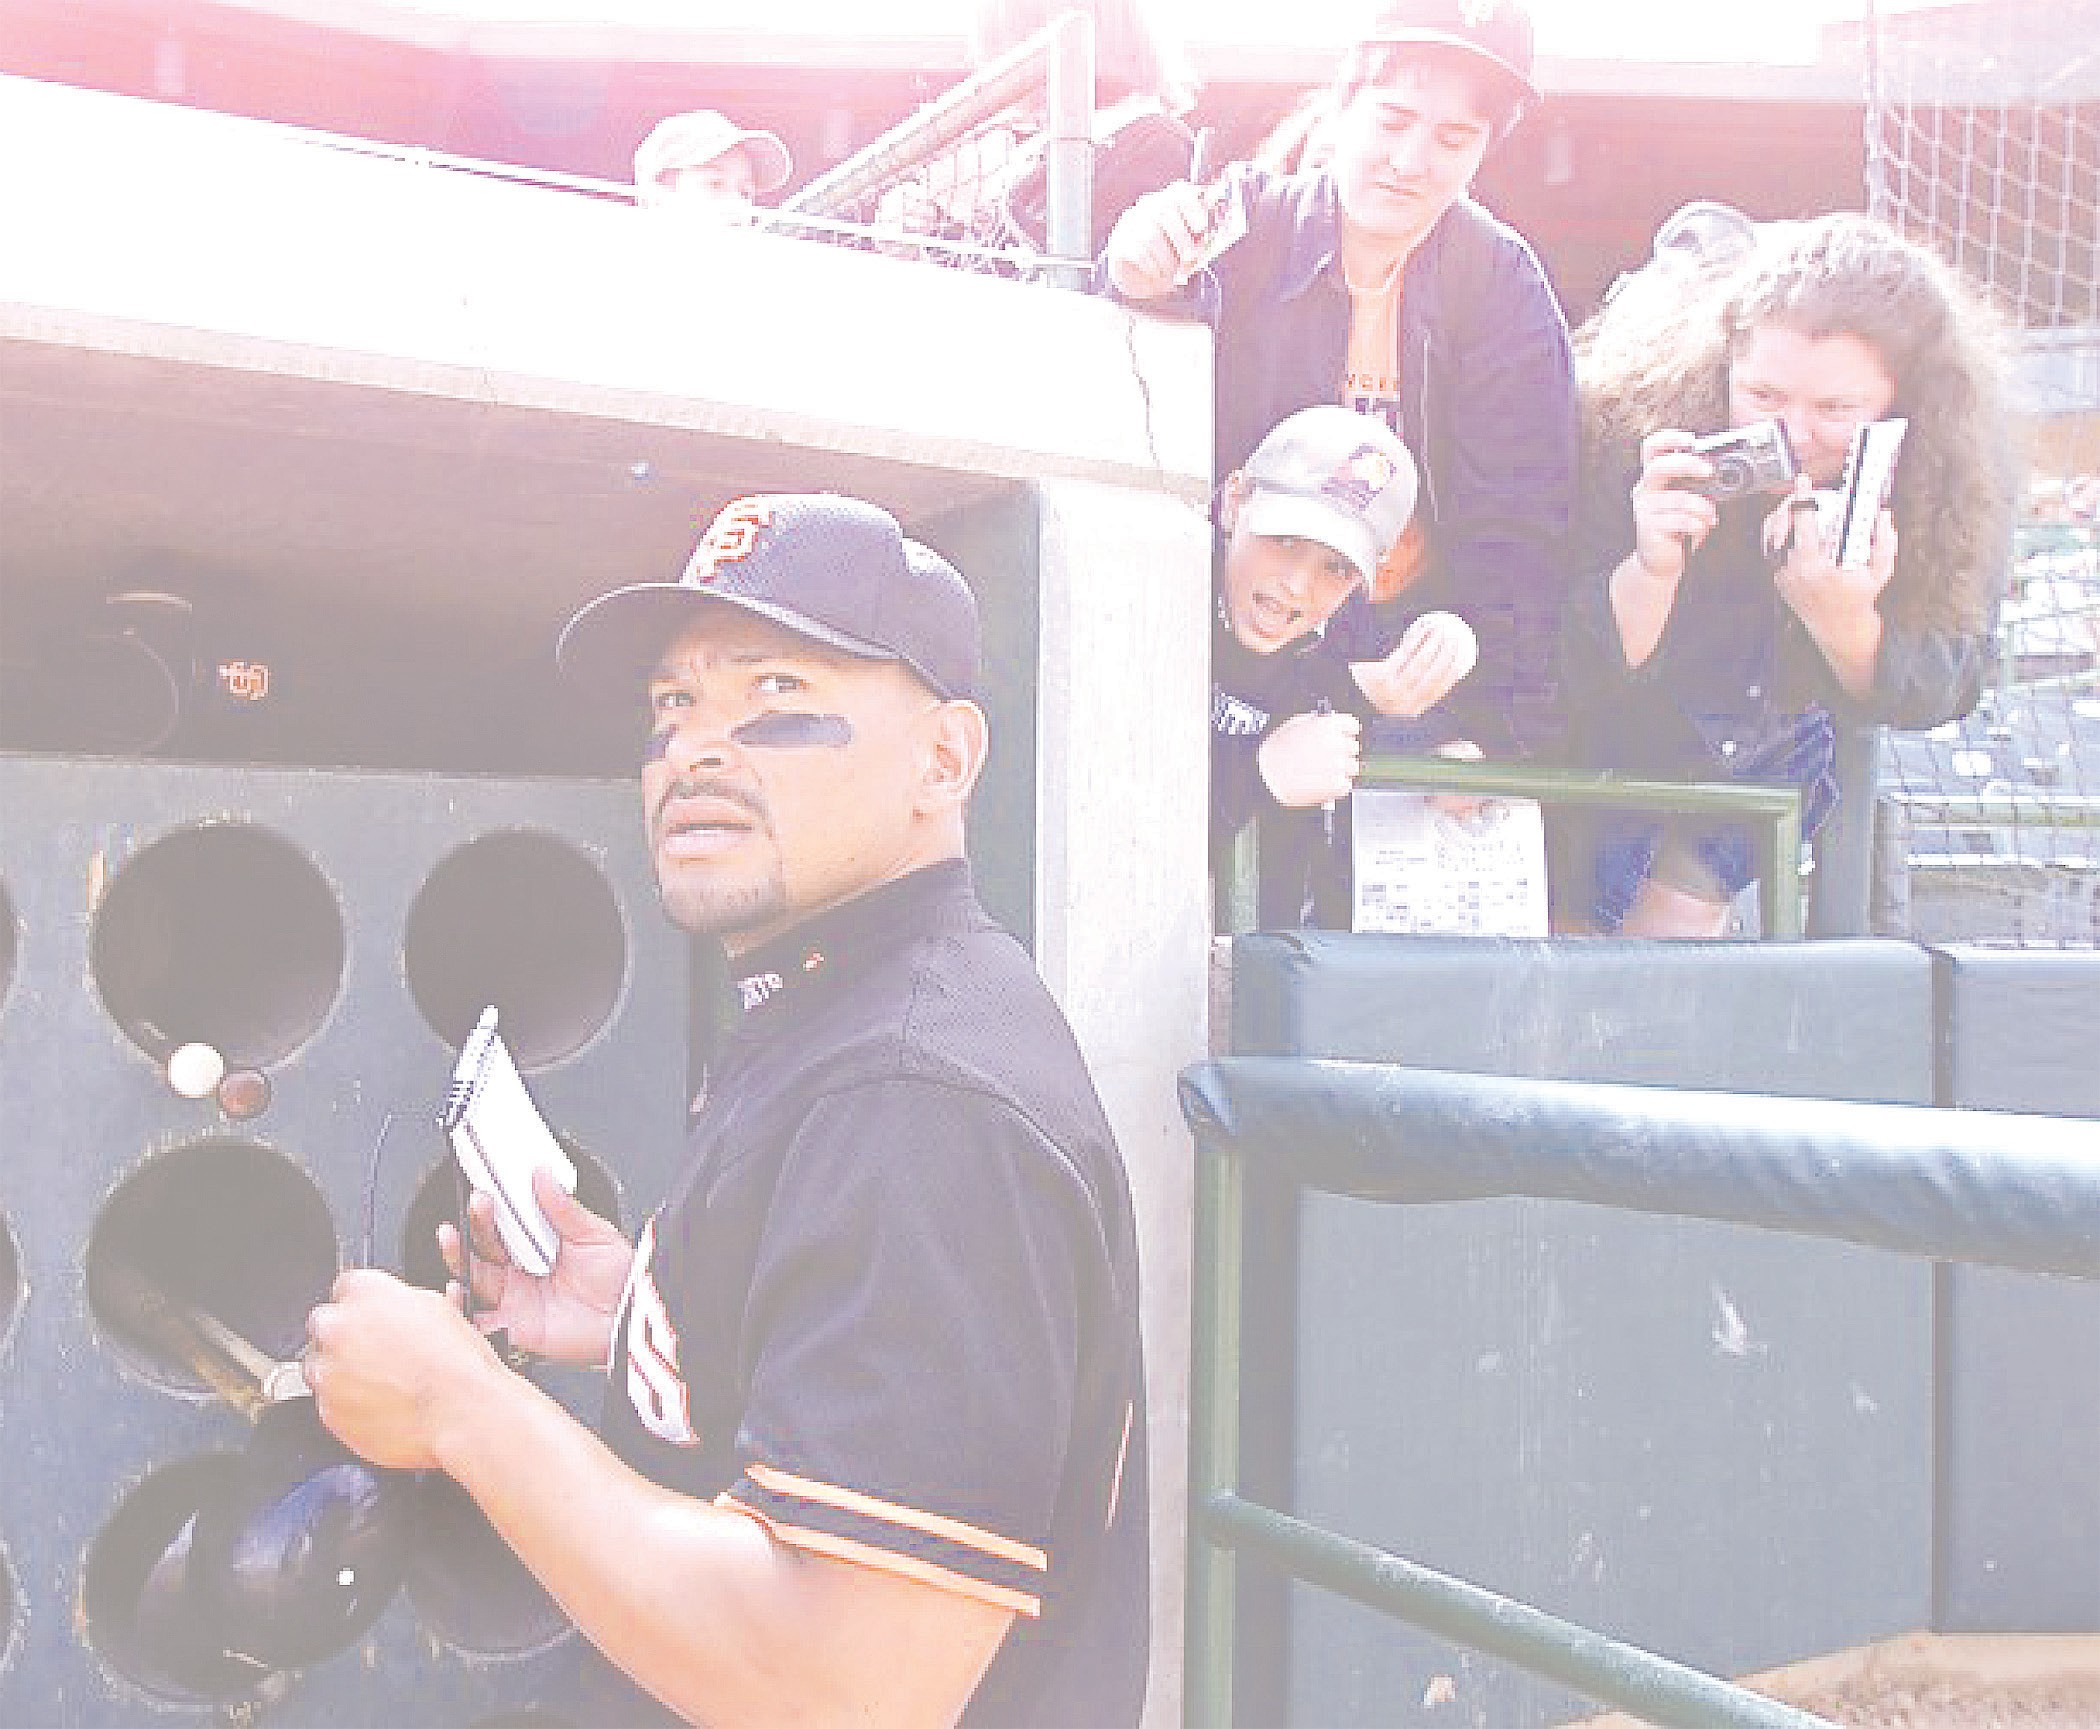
(1335, 476)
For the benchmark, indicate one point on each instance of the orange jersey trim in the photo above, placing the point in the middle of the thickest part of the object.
(933, 1524)
(887, 1561)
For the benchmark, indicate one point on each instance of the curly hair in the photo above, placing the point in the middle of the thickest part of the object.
(1658, 354)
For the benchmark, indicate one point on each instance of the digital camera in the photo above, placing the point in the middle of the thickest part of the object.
(1746, 459)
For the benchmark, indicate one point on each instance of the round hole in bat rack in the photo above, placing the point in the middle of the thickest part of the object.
(522, 920)
(469, 1590)
(226, 1229)
(437, 1199)
(142, 1621)
(222, 935)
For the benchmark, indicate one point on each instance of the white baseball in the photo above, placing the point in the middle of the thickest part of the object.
(1449, 624)
(194, 1070)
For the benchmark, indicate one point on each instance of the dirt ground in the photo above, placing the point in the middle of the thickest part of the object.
(1922, 1682)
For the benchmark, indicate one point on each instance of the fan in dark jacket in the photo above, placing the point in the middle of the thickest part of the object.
(1718, 640)
(1375, 282)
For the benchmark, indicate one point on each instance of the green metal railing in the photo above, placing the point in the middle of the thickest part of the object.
(1775, 809)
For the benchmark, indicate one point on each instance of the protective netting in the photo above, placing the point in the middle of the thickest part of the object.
(1983, 141)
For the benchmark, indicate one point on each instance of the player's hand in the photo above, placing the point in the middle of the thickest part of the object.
(1437, 651)
(1670, 523)
(389, 1364)
(1311, 759)
(567, 1316)
(1153, 248)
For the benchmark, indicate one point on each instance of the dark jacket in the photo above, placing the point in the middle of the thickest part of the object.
(1734, 667)
(1303, 856)
(1489, 415)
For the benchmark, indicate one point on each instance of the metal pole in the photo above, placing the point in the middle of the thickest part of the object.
(1211, 1600)
(1841, 899)
(1653, 1688)
(1069, 143)
(1782, 914)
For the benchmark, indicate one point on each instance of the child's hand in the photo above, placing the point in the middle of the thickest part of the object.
(1311, 759)
(1463, 805)
(1438, 650)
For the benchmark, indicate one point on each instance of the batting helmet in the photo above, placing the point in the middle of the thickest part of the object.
(296, 1557)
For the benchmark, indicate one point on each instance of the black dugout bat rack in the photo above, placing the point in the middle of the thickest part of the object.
(335, 933)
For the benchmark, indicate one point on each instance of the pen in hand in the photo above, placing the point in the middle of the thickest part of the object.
(1203, 158)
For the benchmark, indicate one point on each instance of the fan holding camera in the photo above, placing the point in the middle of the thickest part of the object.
(1740, 588)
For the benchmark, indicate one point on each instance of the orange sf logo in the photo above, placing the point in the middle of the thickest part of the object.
(1476, 12)
(1373, 468)
(731, 536)
(247, 679)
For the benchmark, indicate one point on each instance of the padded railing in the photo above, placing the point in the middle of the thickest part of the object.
(1985, 1187)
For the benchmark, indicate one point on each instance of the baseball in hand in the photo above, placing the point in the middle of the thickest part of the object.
(1453, 631)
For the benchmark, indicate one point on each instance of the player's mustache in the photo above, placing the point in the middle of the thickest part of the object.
(728, 792)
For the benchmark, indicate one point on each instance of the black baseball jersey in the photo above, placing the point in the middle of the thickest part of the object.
(891, 1311)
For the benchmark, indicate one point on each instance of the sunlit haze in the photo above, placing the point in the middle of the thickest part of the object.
(1770, 30)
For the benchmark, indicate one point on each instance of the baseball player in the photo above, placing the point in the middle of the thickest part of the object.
(1299, 660)
(873, 1446)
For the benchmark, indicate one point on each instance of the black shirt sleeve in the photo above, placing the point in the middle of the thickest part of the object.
(911, 1339)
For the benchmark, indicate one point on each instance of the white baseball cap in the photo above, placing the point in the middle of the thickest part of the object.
(1335, 476)
(696, 139)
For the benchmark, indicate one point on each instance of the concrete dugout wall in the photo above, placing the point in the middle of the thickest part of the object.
(400, 420)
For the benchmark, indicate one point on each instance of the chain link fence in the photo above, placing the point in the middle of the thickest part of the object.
(1983, 141)
(994, 176)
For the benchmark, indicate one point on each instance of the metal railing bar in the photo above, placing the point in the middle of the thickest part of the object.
(1210, 1600)
(1654, 1688)
(2010, 687)
(2067, 809)
(1777, 808)
(1576, 786)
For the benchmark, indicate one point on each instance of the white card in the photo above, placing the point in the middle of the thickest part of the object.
(1420, 869)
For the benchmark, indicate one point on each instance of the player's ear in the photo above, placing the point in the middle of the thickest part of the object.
(956, 741)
